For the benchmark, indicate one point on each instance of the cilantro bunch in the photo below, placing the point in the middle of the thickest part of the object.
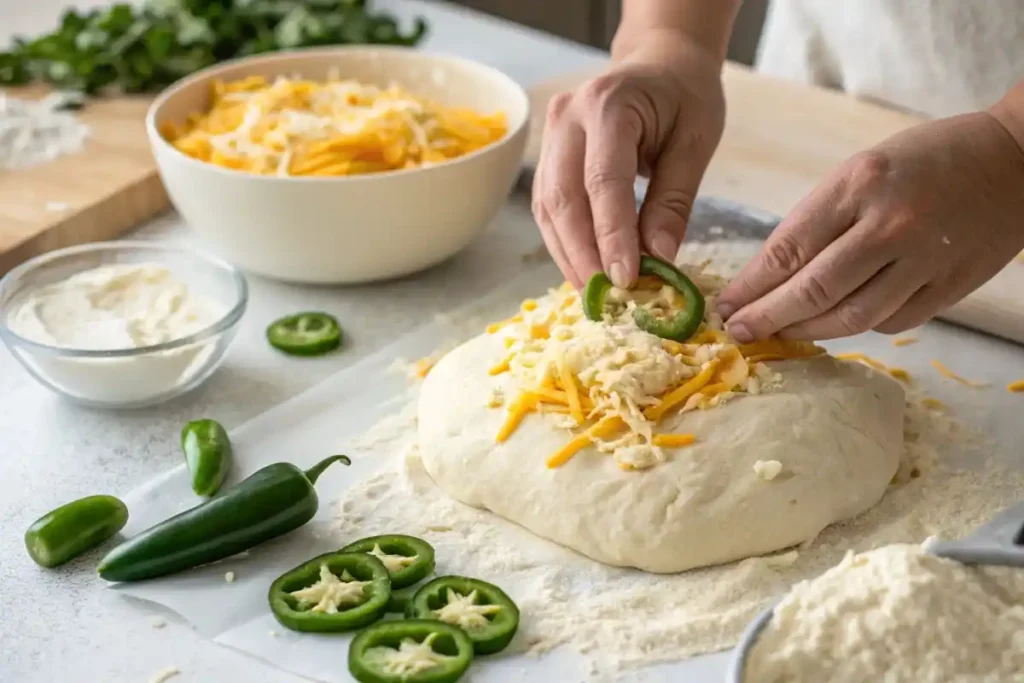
(144, 49)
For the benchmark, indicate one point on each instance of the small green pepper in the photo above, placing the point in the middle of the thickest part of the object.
(481, 609)
(408, 559)
(73, 528)
(305, 334)
(272, 501)
(680, 327)
(330, 593)
(381, 653)
(208, 455)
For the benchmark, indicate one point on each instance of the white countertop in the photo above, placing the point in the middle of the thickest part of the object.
(63, 625)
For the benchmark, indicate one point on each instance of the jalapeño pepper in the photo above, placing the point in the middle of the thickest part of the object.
(272, 501)
(305, 334)
(410, 651)
(208, 455)
(482, 610)
(330, 593)
(679, 327)
(73, 528)
(408, 559)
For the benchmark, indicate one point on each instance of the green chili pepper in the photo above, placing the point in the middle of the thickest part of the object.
(305, 334)
(408, 559)
(680, 327)
(73, 528)
(208, 455)
(374, 649)
(273, 501)
(481, 609)
(332, 592)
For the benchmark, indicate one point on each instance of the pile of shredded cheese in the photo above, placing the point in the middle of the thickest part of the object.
(611, 383)
(33, 132)
(295, 127)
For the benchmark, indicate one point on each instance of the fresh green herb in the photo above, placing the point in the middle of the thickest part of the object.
(144, 49)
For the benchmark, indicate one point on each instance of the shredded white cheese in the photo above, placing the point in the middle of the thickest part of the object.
(393, 563)
(35, 132)
(229, 577)
(462, 611)
(767, 469)
(332, 592)
(165, 675)
(411, 658)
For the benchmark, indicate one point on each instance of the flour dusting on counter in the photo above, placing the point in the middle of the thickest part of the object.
(33, 132)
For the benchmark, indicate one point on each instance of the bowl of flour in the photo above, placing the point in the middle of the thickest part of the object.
(894, 614)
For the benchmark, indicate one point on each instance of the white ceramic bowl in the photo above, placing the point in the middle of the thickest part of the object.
(126, 378)
(352, 228)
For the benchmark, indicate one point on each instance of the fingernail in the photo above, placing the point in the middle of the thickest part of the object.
(664, 247)
(740, 333)
(617, 272)
(725, 309)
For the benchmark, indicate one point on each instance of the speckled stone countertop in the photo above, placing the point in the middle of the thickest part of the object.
(63, 625)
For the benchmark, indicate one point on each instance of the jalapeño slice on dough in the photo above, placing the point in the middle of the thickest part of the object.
(407, 558)
(305, 334)
(332, 592)
(679, 327)
(481, 609)
(410, 651)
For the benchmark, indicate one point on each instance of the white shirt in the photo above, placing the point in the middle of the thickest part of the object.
(933, 57)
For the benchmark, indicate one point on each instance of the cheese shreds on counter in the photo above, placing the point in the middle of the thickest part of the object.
(611, 384)
(904, 341)
(949, 374)
(295, 127)
(1016, 387)
(896, 373)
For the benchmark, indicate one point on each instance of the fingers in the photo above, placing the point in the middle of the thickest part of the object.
(808, 229)
(564, 199)
(669, 201)
(842, 267)
(609, 175)
(869, 306)
(547, 231)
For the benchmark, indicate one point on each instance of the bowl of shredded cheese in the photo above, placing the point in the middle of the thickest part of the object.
(340, 165)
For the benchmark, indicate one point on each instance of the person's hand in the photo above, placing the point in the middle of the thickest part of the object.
(659, 113)
(893, 236)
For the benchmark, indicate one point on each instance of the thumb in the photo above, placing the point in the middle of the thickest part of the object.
(670, 196)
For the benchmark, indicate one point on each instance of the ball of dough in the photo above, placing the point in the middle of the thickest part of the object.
(835, 427)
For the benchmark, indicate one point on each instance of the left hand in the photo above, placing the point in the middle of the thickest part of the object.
(890, 238)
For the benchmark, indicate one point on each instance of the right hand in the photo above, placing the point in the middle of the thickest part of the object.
(658, 113)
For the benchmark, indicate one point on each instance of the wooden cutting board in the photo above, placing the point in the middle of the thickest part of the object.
(103, 191)
(781, 138)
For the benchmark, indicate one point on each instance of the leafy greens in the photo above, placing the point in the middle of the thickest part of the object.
(144, 49)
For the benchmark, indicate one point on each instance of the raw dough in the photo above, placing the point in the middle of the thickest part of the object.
(836, 426)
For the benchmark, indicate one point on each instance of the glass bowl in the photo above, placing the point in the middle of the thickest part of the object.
(136, 377)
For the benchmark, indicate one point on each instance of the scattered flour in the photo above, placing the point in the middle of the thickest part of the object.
(622, 619)
(938, 621)
(33, 132)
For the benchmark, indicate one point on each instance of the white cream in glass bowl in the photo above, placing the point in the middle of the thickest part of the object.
(121, 324)
(354, 228)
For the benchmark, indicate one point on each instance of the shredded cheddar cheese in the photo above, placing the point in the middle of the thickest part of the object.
(904, 341)
(1015, 387)
(613, 386)
(934, 404)
(949, 374)
(296, 127)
